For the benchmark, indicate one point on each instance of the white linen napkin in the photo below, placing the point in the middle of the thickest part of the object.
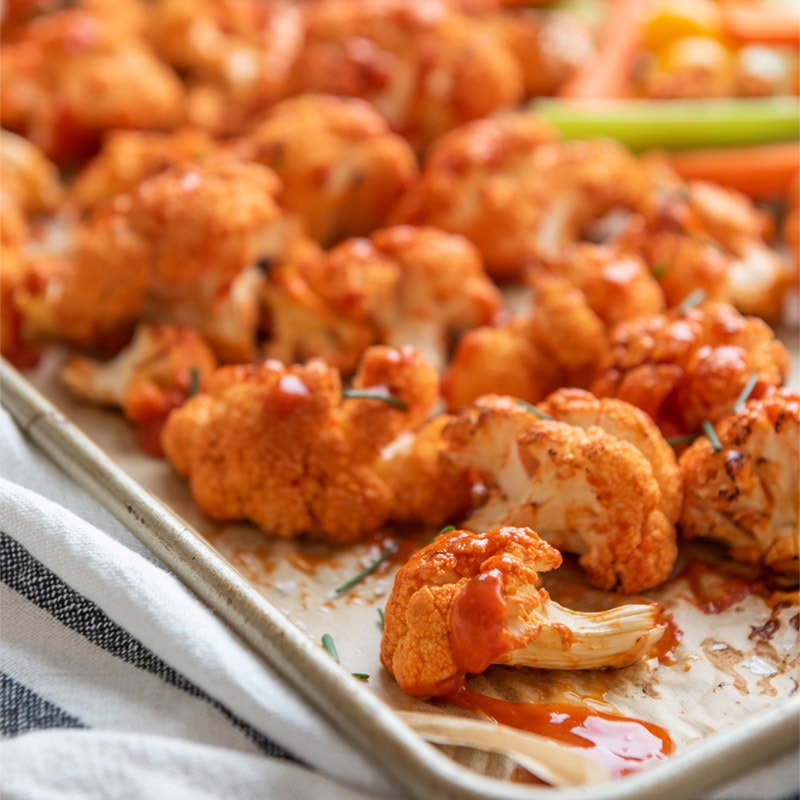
(115, 682)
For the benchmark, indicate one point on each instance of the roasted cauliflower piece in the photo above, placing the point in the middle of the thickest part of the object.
(518, 194)
(577, 297)
(743, 489)
(469, 600)
(341, 168)
(72, 75)
(180, 248)
(688, 365)
(701, 236)
(236, 57)
(128, 157)
(550, 46)
(425, 68)
(27, 177)
(155, 373)
(588, 491)
(402, 285)
(283, 447)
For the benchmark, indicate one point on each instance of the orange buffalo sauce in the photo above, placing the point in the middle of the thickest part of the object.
(622, 744)
(478, 623)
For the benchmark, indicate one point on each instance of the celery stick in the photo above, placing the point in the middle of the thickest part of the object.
(676, 124)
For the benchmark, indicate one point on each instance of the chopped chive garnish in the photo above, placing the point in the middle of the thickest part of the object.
(532, 408)
(367, 395)
(194, 381)
(446, 529)
(387, 552)
(330, 647)
(380, 616)
(691, 300)
(685, 438)
(659, 270)
(362, 676)
(745, 393)
(709, 431)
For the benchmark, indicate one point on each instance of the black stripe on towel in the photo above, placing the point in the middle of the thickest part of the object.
(23, 573)
(22, 710)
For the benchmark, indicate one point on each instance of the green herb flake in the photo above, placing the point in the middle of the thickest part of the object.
(194, 381)
(690, 301)
(659, 270)
(330, 647)
(362, 676)
(364, 394)
(678, 441)
(532, 408)
(381, 618)
(745, 393)
(387, 552)
(709, 431)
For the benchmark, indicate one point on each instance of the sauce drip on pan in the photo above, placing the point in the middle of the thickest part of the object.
(622, 744)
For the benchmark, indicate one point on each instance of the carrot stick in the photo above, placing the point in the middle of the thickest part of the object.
(762, 171)
(766, 23)
(607, 74)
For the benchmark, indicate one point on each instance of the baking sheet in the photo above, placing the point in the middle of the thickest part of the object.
(729, 700)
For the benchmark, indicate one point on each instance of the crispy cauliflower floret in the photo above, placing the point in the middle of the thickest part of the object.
(688, 365)
(155, 373)
(428, 486)
(518, 194)
(745, 494)
(236, 56)
(587, 491)
(469, 600)
(700, 236)
(402, 285)
(577, 298)
(180, 249)
(27, 177)
(620, 419)
(549, 46)
(77, 73)
(129, 157)
(341, 167)
(282, 447)
(20, 275)
(425, 68)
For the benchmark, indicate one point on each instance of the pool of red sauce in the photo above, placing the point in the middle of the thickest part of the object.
(622, 744)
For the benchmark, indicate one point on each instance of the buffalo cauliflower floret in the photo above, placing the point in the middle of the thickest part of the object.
(425, 68)
(155, 373)
(743, 489)
(701, 236)
(126, 158)
(74, 74)
(181, 249)
(550, 46)
(518, 194)
(577, 297)
(236, 56)
(27, 177)
(341, 167)
(429, 487)
(283, 447)
(402, 285)
(688, 365)
(589, 491)
(469, 600)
